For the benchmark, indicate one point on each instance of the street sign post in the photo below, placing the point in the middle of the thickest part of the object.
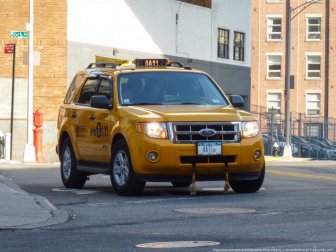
(18, 34)
(11, 49)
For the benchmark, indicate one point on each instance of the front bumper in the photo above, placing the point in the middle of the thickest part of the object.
(175, 160)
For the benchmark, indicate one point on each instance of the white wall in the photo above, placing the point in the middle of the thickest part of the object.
(234, 15)
(126, 28)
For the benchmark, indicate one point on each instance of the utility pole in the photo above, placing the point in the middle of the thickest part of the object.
(287, 148)
(29, 153)
(289, 17)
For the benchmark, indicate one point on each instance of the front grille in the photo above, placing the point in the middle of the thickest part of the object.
(190, 132)
(207, 159)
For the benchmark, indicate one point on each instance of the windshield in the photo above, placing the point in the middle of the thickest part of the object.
(160, 88)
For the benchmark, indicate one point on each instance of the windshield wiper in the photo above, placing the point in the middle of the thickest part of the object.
(144, 103)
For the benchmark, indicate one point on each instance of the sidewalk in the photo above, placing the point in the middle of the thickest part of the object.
(21, 210)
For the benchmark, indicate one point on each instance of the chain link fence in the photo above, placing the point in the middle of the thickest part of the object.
(310, 136)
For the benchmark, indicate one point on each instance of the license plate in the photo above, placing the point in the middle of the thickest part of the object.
(209, 148)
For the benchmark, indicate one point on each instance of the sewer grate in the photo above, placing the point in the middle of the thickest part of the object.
(212, 210)
(177, 244)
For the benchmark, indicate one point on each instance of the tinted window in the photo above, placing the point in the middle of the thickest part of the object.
(77, 80)
(105, 88)
(88, 91)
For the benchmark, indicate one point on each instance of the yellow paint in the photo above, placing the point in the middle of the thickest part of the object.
(300, 175)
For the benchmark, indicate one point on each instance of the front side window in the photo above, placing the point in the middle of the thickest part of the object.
(105, 88)
(89, 89)
(238, 50)
(313, 28)
(274, 66)
(313, 102)
(168, 88)
(274, 102)
(313, 69)
(274, 28)
(223, 43)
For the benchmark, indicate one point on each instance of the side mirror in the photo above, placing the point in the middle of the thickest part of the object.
(237, 101)
(100, 101)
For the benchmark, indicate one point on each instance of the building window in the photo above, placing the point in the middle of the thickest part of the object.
(314, 28)
(223, 43)
(274, 66)
(274, 102)
(313, 129)
(238, 49)
(313, 101)
(313, 68)
(274, 28)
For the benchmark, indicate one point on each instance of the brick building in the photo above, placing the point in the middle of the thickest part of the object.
(50, 42)
(313, 57)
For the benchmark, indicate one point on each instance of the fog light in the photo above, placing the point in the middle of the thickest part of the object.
(152, 156)
(257, 155)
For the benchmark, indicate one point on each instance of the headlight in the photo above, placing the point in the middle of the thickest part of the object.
(154, 130)
(250, 129)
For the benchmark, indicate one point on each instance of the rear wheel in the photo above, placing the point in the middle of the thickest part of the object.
(71, 178)
(248, 186)
(122, 176)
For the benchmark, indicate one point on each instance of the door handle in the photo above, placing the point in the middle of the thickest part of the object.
(74, 115)
(92, 117)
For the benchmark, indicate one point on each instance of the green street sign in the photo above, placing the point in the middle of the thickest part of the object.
(18, 34)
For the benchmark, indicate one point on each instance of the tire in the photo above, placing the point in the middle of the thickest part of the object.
(248, 186)
(181, 184)
(123, 178)
(71, 178)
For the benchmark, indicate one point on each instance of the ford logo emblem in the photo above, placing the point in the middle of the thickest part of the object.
(207, 132)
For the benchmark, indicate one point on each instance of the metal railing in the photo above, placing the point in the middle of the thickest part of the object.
(311, 136)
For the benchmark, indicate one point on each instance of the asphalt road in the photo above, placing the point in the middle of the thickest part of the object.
(294, 211)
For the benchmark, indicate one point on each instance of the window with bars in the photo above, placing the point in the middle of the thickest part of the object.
(238, 48)
(313, 67)
(314, 28)
(223, 43)
(274, 102)
(274, 66)
(274, 28)
(313, 102)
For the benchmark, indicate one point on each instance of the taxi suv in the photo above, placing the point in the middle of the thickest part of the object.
(155, 120)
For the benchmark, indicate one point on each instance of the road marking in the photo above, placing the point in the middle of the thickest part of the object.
(75, 191)
(300, 175)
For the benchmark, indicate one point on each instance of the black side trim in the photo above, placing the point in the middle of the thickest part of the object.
(93, 167)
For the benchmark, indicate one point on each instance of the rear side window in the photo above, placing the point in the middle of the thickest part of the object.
(77, 80)
(89, 89)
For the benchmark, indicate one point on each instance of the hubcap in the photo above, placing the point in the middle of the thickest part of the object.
(121, 168)
(66, 164)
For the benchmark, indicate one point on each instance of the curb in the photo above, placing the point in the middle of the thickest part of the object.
(26, 211)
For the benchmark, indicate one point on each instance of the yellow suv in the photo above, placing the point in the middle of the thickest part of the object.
(155, 120)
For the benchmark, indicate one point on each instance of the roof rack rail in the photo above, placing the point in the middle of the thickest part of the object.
(102, 64)
(178, 64)
(175, 64)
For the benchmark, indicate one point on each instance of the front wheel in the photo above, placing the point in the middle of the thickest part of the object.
(248, 186)
(71, 178)
(122, 176)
